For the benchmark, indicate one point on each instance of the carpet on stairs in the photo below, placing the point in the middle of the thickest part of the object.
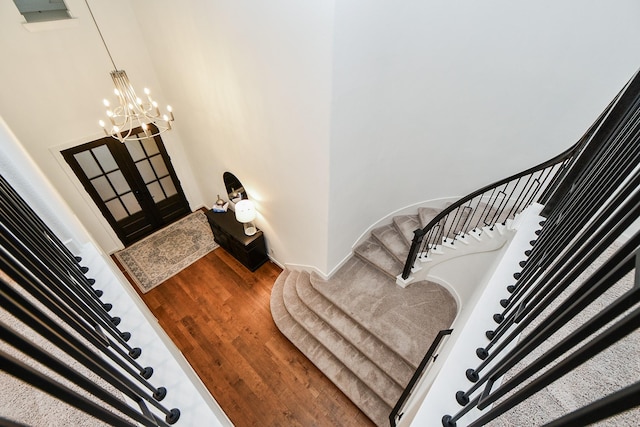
(361, 330)
(368, 402)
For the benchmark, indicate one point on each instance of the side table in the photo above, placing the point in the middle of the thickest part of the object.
(251, 251)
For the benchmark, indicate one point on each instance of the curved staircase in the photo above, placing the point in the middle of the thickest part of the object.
(364, 332)
(388, 246)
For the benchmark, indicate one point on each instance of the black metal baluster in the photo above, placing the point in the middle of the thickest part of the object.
(608, 275)
(16, 340)
(23, 276)
(22, 309)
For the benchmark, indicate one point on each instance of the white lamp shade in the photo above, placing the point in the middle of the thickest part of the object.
(245, 211)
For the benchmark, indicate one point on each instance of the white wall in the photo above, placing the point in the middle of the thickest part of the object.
(331, 113)
(436, 98)
(253, 81)
(249, 83)
(53, 83)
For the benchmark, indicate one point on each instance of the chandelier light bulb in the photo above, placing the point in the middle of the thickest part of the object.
(130, 113)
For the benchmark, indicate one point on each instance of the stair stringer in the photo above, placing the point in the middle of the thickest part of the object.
(488, 239)
(434, 395)
(407, 210)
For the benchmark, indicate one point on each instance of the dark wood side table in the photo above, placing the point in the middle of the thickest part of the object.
(251, 251)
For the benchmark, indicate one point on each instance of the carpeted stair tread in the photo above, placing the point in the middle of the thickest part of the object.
(425, 215)
(389, 237)
(406, 320)
(374, 253)
(407, 224)
(370, 374)
(369, 403)
(381, 355)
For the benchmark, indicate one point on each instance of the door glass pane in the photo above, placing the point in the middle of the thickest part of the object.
(167, 185)
(156, 191)
(88, 164)
(159, 166)
(118, 182)
(144, 167)
(131, 203)
(102, 186)
(116, 209)
(105, 158)
(135, 150)
(150, 146)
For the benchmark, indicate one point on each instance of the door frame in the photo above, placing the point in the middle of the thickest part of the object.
(150, 211)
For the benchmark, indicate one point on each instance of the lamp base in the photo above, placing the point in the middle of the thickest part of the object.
(249, 228)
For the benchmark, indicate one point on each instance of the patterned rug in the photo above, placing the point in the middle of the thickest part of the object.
(163, 254)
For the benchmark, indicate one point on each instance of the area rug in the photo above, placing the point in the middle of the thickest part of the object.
(163, 254)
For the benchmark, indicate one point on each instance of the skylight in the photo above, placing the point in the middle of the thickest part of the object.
(42, 10)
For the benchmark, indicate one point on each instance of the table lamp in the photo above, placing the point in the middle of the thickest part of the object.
(246, 213)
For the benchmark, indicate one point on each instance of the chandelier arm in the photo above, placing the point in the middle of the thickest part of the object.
(133, 112)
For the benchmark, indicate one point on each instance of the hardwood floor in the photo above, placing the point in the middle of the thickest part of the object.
(217, 312)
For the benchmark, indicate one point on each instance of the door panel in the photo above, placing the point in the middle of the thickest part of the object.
(133, 184)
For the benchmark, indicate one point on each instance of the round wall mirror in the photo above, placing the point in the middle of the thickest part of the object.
(234, 187)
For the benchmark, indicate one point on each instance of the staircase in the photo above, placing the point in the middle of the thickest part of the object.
(364, 332)
(388, 246)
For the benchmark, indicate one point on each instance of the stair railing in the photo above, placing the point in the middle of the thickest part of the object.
(43, 288)
(559, 282)
(428, 358)
(488, 206)
(496, 203)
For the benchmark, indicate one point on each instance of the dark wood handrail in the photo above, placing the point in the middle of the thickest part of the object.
(418, 236)
(393, 416)
(568, 156)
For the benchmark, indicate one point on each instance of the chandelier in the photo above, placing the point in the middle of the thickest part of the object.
(131, 111)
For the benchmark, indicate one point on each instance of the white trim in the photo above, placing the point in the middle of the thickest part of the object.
(57, 155)
(59, 24)
(307, 268)
(407, 210)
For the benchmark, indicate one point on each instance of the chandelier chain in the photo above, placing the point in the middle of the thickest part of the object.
(101, 36)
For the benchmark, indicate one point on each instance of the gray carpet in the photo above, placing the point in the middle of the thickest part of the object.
(23, 404)
(361, 330)
(407, 320)
(614, 368)
(374, 407)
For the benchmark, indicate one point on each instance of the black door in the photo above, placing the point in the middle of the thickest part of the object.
(133, 184)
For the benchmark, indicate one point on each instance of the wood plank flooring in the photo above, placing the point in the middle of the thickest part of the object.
(217, 312)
